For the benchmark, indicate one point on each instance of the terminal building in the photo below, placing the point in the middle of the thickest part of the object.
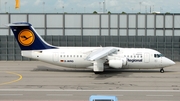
(157, 31)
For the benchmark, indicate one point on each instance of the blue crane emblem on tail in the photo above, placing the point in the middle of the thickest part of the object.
(25, 37)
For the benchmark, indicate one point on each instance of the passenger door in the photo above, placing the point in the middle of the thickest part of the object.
(55, 57)
(146, 57)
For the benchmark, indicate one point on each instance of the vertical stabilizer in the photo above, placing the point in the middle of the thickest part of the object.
(28, 38)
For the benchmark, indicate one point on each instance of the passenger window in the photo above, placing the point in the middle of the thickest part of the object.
(67, 55)
(70, 55)
(155, 55)
(80, 55)
(64, 55)
(77, 56)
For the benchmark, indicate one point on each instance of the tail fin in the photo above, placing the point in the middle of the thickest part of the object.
(28, 38)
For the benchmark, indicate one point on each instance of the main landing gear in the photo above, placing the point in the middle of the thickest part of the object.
(162, 70)
(98, 72)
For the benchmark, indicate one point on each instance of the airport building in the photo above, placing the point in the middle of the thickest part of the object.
(157, 31)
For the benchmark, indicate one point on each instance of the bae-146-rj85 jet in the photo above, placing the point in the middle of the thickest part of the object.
(96, 58)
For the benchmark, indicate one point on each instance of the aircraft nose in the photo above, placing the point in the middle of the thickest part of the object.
(168, 62)
(172, 62)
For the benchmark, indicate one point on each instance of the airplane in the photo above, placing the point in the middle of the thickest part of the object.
(96, 58)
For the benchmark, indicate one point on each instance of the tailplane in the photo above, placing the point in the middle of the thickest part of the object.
(28, 38)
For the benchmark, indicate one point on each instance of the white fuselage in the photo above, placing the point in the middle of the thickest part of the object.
(74, 57)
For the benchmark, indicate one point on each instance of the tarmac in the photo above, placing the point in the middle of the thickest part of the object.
(39, 81)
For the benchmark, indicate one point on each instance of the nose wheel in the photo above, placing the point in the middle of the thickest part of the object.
(162, 70)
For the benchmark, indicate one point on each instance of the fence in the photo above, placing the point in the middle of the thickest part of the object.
(156, 31)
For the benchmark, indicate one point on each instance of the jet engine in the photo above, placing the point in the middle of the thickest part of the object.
(117, 63)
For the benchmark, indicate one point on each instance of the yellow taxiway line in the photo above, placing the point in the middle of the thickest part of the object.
(13, 81)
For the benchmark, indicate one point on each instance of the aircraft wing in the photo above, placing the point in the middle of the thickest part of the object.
(100, 53)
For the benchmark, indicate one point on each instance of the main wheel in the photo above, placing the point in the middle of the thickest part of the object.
(162, 70)
(98, 72)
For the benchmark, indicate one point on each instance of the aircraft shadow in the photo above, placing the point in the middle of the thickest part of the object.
(104, 75)
(108, 73)
(44, 68)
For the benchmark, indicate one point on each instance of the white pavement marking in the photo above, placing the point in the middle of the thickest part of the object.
(59, 94)
(159, 95)
(59, 90)
(11, 94)
(119, 95)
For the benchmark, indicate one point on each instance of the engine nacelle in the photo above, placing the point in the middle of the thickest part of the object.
(115, 63)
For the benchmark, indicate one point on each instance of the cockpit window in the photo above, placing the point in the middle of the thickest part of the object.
(158, 55)
(155, 55)
(161, 55)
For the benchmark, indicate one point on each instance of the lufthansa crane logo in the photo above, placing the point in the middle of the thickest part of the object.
(26, 37)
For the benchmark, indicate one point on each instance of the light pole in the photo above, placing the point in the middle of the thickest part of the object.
(43, 6)
(104, 6)
(99, 6)
(132, 10)
(0, 6)
(84, 9)
(5, 6)
(161, 9)
(140, 6)
(72, 10)
(63, 9)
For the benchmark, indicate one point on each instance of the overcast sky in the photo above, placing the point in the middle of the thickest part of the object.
(88, 6)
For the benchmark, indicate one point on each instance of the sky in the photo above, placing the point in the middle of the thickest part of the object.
(89, 6)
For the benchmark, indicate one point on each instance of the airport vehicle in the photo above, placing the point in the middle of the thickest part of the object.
(96, 58)
(103, 98)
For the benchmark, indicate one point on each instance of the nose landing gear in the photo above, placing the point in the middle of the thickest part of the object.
(162, 70)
